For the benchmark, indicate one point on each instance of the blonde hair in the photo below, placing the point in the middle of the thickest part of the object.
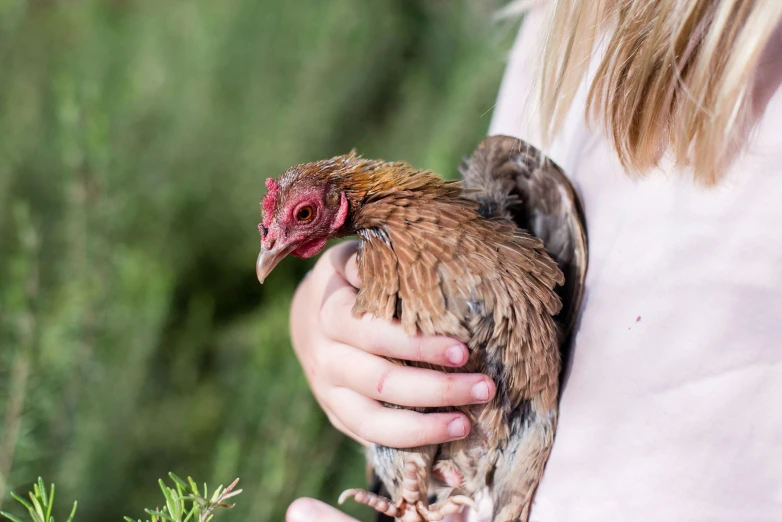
(676, 76)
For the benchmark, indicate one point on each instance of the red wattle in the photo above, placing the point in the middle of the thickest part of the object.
(310, 248)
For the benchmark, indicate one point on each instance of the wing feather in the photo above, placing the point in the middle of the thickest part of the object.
(432, 261)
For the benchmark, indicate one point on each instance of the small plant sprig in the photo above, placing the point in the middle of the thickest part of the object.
(40, 505)
(184, 502)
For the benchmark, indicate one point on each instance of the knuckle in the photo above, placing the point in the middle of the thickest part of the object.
(372, 340)
(340, 410)
(363, 429)
(432, 430)
(320, 359)
(338, 256)
(330, 318)
(334, 316)
(327, 374)
(325, 317)
(447, 390)
(419, 349)
(336, 422)
(424, 436)
(325, 261)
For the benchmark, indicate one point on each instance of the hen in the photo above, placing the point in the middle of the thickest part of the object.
(452, 258)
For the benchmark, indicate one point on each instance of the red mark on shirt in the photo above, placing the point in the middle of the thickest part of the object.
(382, 381)
(638, 319)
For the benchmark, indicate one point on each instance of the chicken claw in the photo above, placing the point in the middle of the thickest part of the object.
(379, 503)
(447, 507)
(409, 508)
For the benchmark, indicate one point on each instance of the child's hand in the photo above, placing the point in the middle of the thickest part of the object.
(342, 360)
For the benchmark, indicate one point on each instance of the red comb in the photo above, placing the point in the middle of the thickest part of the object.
(272, 188)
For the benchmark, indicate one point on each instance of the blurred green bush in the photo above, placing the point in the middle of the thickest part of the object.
(135, 136)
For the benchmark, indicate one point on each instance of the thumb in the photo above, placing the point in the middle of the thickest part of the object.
(311, 510)
(351, 272)
(343, 259)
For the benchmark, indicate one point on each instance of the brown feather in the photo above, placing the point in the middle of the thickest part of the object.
(447, 259)
(450, 268)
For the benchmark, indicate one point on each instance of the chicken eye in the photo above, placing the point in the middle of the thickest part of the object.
(304, 213)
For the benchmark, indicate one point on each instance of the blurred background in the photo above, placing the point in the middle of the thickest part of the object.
(135, 137)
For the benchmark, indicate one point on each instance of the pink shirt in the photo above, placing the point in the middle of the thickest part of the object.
(671, 409)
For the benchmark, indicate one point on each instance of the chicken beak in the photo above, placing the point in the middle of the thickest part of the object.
(268, 259)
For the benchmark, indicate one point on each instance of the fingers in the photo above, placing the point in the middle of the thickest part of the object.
(384, 338)
(334, 420)
(374, 335)
(382, 380)
(343, 259)
(339, 355)
(311, 510)
(396, 428)
(351, 271)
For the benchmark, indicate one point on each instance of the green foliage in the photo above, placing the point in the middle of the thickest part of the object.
(136, 136)
(184, 502)
(40, 505)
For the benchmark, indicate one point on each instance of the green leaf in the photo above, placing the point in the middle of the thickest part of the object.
(174, 506)
(9, 516)
(38, 513)
(73, 511)
(216, 494)
(49, 507)
(166, 493)
(178, 480)
(160, 514)
(44, 499)
(22, 501)
(194, 486)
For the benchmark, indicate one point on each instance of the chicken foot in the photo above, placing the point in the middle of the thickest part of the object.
(409, 508)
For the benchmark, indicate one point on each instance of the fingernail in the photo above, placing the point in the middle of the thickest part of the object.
(480, 391)
(457, 429)
(455, 355)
